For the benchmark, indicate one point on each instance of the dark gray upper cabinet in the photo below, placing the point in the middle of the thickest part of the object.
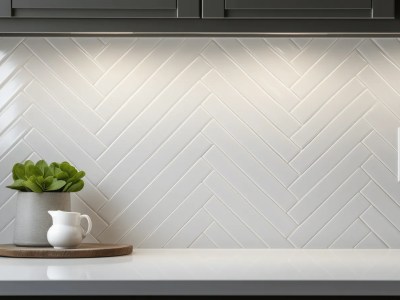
(105, 8)
(201, 17)
(298, 9)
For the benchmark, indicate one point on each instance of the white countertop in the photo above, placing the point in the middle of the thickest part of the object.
(208, 272)
(185, 264)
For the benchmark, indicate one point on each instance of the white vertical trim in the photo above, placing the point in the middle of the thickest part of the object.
(398, 154)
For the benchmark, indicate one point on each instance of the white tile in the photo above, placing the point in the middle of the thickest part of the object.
(7, 234)
(137, 76)
(331, 108)
(253, 118)
(92, 46)
(12, 135)
(8, 45)
(251, 141)
(249, 89)
(13, 111)
(382, 227)
(251, 167)
(7, 211)
(328, 184)
(13, 62)
(343, 146)
(302, 42)
(383, 203)
(232, 224)
(387, 69)
(382, 150)
(334, 130)
(311, 53)
(354, 234)
(381, 89)
(324, 66)
(64, 71)
(190, 231)
(145, 110)
(277, 138)
(339, 223)
(13, 86)
(324, 213)
(220, 237)
(389, 47)
(371, 242)
(114, 49)
(281, 94)
(64, 96)
(384, 122)
(382, 176)
(43, 147)
(284, 47)
(181, 192)
(328, 88)
(88, 141)
(17, 154)
(64, 144)
(248, 190)
(166, 170)
(266, 226)
(163, 144)
(77, 58)
(174, 222)
(276, 64)
(203, 242)
(126, 64)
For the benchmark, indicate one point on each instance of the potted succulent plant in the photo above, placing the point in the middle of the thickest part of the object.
(41, 187)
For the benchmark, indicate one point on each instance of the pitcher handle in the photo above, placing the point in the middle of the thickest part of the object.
(89, 224)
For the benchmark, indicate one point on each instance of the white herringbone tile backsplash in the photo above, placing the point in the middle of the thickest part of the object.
(212, 143)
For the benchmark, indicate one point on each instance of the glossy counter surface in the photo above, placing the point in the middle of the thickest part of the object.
(209, 271)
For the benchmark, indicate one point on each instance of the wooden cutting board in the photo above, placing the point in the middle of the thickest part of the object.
(82, 251)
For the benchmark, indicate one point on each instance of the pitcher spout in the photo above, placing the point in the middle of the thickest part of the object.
(52, 213)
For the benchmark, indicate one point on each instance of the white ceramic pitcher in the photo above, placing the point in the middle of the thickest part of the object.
(66, 231)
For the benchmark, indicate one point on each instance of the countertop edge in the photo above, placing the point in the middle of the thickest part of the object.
(201, 287)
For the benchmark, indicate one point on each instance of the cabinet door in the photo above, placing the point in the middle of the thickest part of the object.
(5, 8)
(106, 8)
(298, 9)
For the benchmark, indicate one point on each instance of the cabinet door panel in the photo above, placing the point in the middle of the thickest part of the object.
(5, 8)
(298, 4)
(106, 8)
(96, 4)
(299, 9)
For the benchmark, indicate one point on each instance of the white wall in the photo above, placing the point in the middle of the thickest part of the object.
(212, 142)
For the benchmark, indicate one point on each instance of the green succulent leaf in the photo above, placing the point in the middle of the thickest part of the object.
(33, 186)
(32, 170)
(17, 185)
(41, 177)
(48, 172)
(40, 181)
(67, 168)
(28, 163)
(41, 165)
(18, 172)
(48, 180)
(76, 177)
(76, 187)
(56, 185)
(62, 175)
(66, 187)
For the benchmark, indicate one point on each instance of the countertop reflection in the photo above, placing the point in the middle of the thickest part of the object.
(188, 264)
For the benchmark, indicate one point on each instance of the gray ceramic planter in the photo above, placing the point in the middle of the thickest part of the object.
(32, 220)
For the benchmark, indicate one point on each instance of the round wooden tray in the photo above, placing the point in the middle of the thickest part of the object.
(82, 251)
